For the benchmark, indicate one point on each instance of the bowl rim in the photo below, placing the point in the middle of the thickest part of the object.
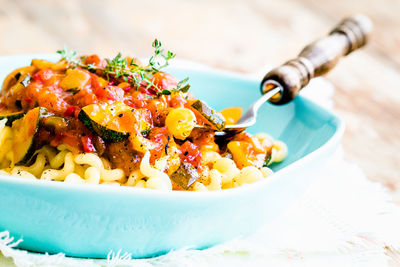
(188, 65)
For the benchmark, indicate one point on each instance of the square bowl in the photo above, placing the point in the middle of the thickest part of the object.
(91, 220)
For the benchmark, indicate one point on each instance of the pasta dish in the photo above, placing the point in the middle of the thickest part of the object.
(85, 119)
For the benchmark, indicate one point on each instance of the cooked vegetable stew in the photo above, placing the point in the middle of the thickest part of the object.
(85, 119)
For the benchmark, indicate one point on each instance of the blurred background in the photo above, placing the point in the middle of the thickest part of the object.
(241, 36)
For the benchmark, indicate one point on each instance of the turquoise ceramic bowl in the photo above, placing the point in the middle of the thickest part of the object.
(90, 221)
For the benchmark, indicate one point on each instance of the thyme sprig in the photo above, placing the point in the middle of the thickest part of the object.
(138, 76)
(117, 66)
(183, 86)
(70, 56)
(154, 61)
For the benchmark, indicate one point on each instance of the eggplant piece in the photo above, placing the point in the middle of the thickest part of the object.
(99, 145)
(55, 123)
(185, 175)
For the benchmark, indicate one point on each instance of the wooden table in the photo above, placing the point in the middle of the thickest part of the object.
(241, 36)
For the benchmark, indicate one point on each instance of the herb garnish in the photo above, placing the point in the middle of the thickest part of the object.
(138, 76)
(183, 86)
(70, 56)
(153, 62)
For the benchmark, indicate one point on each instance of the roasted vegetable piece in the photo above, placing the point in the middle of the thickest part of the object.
(114, 122)
(75, 80)
(216, 121)
(21, 84)
(185, 175)
(143, 117)
(139, 143)
(100, 120)
(55, 123)
(244, 154)
(44, 64)
(232, 114)
(11, 116)
(99, 145)
(15, 76)
(25, 130)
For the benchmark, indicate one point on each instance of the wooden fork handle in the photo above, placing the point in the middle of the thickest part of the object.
(317, 58)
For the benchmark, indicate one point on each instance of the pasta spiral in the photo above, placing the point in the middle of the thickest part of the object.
(156, 178)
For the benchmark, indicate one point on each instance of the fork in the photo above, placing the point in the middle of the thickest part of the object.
(282, 84)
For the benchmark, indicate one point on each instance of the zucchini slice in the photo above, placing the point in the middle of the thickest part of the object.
(216, 121)
(25, 130)
(103, 121)
(11, 116)
(185, 175)
(114, 122)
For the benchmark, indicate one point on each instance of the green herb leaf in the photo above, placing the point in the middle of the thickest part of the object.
(185, 89)
(165, 92)
(69, 55)
(154, 62)
(181, 82)
(182, 86)
(156, 44)
(145, 132)
(91, 67)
